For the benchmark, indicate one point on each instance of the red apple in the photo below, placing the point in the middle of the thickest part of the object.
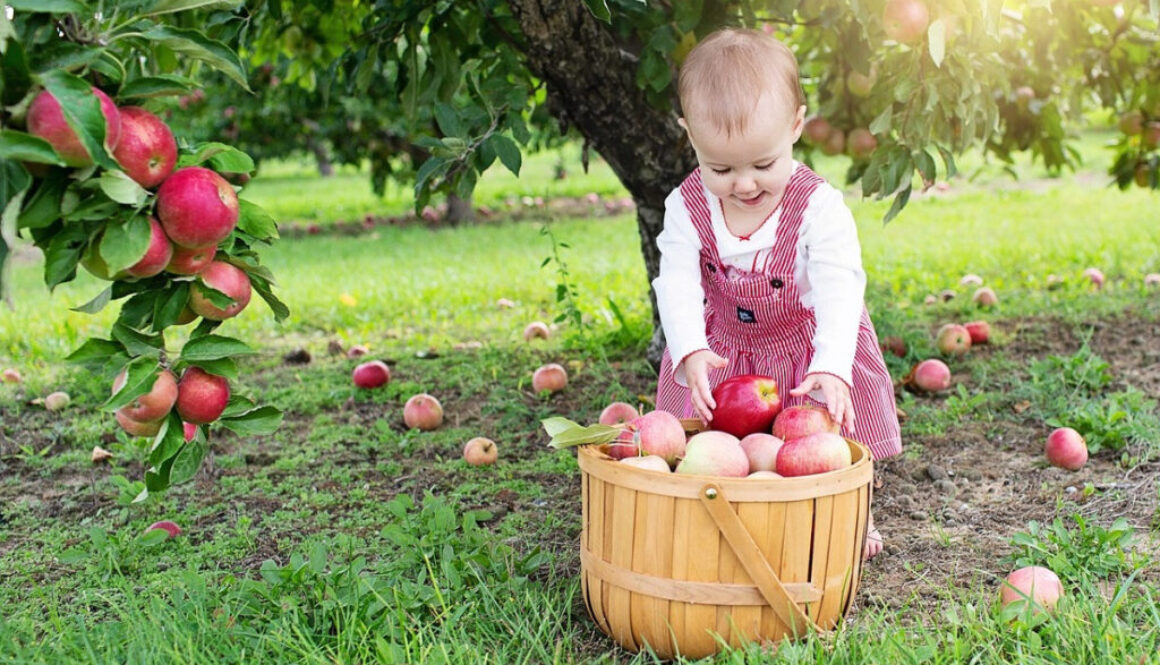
(618, 413)
(861, 143)
(201, 396)
(895, 345)
(551, 377)
(1132, 122)
(157, 257)
(187, 261)
(761, 449)
(816, 453)
(153, 405)
(136, 427)
(660, 433)
(147, 150)
(802, 420)
(1095, 276)
(835, 143)
(371, 374)
(905, 21)
(714, 453)
(816, 130)
(649, 462)
(480, 451)
(745, 404)
(953, 340)
(188, 430)
(12, 376)
(165, 525)
(985, 297)
(537, 330)
(357, 351)
(227, 278)
(980, 331)
(930, 375)
(1152, 135)
(627, 444)
(1066, 449)
(197, 207)
(46, 119)
(423, 412)
(1033, 583)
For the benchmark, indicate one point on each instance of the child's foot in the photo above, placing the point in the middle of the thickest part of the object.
(873, 542)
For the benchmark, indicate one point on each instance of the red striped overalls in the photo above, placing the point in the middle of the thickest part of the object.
(757, 322)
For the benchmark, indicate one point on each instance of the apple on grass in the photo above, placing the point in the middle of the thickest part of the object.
(1035, 584)
(714, 453)
(537, 330)
(147, 151)
(423, 412)
(226, 278)
(197, 207)
(953, 339)
(12, 376)
(1066, 449)
(371, 374)
(551, 377)
(480, 451)
(985, 297)
(618, 413)
(153, 405)
(930, 376)
(816, 453)
(980, 331)
(57, 401)
(46, 119)
(201, 396)
(745, 404)
(802, 420)
(165, 525)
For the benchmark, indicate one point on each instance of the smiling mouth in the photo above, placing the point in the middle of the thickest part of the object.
(751, 201)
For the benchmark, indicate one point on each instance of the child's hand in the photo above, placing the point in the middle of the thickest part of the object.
(697, 367)
(836, 393)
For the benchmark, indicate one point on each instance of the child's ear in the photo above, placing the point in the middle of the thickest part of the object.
(684, 125)
(799, 123)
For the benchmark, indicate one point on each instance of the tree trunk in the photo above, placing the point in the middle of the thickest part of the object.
(458, 210)
(591, 81)
(322, 156)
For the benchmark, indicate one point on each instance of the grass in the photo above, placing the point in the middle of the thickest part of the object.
(346, 538)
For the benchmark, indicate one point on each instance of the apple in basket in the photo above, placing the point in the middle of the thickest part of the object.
(714, 453)
(816, 453)
(655, 433)
(802, 420)
(745, 404)
(650, 462)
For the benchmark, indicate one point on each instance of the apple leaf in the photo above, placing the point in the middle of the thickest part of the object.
(44, 206)
(19, 146)
(139, 378)
(170, 6)
(95, 350)
(97, 303)
(168, 441)
(262, 420)
(226, 367)
(63, 254)
(162, 85)
(125, 244)
(214, 347)
(187, 462)
(238, 405)
(122, 189)
(194, 44)
(223, 158)
(566, 433)
(255, 221)
(47, 6)
(279, 308)
(169, 305)
(157, 478)
(138, 343)
(936, 37)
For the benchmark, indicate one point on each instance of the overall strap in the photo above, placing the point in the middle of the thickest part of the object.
(783, 256)
(693, 192)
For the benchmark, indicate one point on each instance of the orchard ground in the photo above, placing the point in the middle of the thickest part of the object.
(479, 564)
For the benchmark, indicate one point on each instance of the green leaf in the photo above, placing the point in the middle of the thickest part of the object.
(279, 308)
(226, 367)
(140, 374)
(170, 305)
(22, 147)
(599, 9)
(171, 6)
(188, 461)
(138, 343)
(254, 220)
(936, 37)
(213, 347)
(162, 85)
(508, 151)
(123, 245)
(557, 424)
(47, 6)
(97, 303)
(95, 351)
(157, 477)
(575, 436)
(168, 441)
(447, 120)
(63, 254)
(900, 201)
(194, 44)
(44, 207)
(82, 111)
(224, 158)
(262, 420)
(121, 188)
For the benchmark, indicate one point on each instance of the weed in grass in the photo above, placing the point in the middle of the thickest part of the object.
(1077, 549)
(1081, 374)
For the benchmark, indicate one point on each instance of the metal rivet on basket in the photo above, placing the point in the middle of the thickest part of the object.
(711, 493)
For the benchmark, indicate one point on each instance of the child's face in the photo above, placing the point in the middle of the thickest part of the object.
(749, 170)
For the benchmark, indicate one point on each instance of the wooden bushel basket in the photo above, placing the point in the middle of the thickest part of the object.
(686, 564)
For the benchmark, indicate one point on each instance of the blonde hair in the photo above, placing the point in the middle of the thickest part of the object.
(725, 75)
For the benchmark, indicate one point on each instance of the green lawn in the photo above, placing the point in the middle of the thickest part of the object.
(346, 538)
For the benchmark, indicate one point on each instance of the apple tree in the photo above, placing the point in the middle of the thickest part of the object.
(92, 177)
(901, 86)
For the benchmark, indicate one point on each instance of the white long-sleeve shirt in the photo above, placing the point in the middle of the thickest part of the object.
(828, 272)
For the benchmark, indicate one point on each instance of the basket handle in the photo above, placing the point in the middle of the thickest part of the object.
(754, 562)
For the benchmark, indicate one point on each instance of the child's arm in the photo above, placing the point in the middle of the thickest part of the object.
(836, 393)
(697, 367)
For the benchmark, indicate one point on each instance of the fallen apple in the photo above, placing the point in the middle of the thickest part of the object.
(56, 401)
(371, 374)
(423, 412)
(1095, 276)
(1034, 584)
(551, 377)
(929, 376)
(480, 451)
(1066, 449)
(165, 525)
(953, 339)
(815, 453)
(12, 376)
(985, 297)
(980, 331)
(745, 404)
(537, 330)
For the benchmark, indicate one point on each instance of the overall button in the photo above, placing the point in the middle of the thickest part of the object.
(776, 283)
(711, 267)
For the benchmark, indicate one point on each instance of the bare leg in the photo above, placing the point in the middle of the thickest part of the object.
(873, 541)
